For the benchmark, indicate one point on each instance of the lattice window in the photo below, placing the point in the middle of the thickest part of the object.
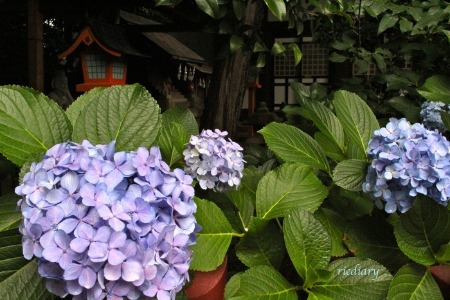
(284, 64)
(96, 65)
(314, 60)
(118, 69)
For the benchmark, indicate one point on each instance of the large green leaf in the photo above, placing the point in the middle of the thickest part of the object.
(301, 92)
(406, 107)
(182, 116)
(172, 140)
(414, 282)
(294, 145)
(263, 283)
(326, 121)
(356, 117)
(210, 7)
(10, 217)
(262, 244)
(330, 148)
(232, 286)
(243, 200)
(422, 230)
(74, 110)
(127, 114)
(19, 279)
(288, 187)
(350, 204)
(353, 278)
(334, 224)
(214, 238)
(308, 244)
(30, 123)
(350, 174)
(436, 88)
(277, 7)
(373, 237)
(387, 21)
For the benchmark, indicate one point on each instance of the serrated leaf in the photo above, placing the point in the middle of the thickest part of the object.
(407, 108)
(74, 110)
(232, 286)
(308, 244)
(30, 123)
(214, 238)
(443, 255)
(337, 58)
(372, 237)
(278, 48)
(277, 7)
(330, 148)
(182, 116)
(171, 141)
(127, 114)
(243, 200)
(350, 174)
(350, 204)
(436, 88)
(10, 216)
(210, 7)
(301, 92)
(263, 283)
(386, 22)
(334, 224)
(422, 230)
(326, 121)
(293, 145)
(261, 245)
(19, 279)
(288, 187)
(356, 117)
(354, 278)
(414, 282)
(297, 53)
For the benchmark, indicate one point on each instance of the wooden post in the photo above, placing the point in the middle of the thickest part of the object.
(35, 46)
(252, 86)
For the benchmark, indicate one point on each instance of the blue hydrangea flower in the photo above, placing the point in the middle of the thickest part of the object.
(108, 224)
(430, 114)
(215, 162)
(407, 160)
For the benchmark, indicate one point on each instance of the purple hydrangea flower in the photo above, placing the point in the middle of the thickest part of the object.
(108, 225)
(407, 160)
(430, 114)
(215, 162)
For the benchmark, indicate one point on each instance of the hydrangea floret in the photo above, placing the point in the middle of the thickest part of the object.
(407, 160)
(430, 114)
(216, 163)
(108, 224)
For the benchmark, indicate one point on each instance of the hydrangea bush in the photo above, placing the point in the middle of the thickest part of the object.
(215, 162)
(408, 159)
(103, 223)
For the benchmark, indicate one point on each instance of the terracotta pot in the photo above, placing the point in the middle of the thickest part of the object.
(208, 285)
(442, 275)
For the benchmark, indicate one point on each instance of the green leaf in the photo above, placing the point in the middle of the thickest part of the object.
(263, 283)
(297, 52)
(278, 48)
(357, 119)
(334, 224)
(445, 116)
(244, 201)
(342, 45)
(337, 58)
(350, 204)
(293, 145)
(447, 34)
(381, 63)
(232, 286)
(239, 8)
(277, 7)
(308, 244)
(436, 88)
(30, 124)
(288, 187)
(406, 107)
(373, 237)
(127, 114)
(354, 278)
(19, 278)
(261, 245)
(387, 21)
(261, 61)
(214, 238)
(405, 25)
(236, 43)
(350, 174)
(210, 7)
(182, 116)
(414, 282)
(74, 110)
(258, 47)
(443, 255)
(330, 148)
(10, 216)
(422, 230)
(326, 121)
(250, 180)
(301, 92)
(172, 140)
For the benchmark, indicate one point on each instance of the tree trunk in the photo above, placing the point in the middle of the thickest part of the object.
(229, 81)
